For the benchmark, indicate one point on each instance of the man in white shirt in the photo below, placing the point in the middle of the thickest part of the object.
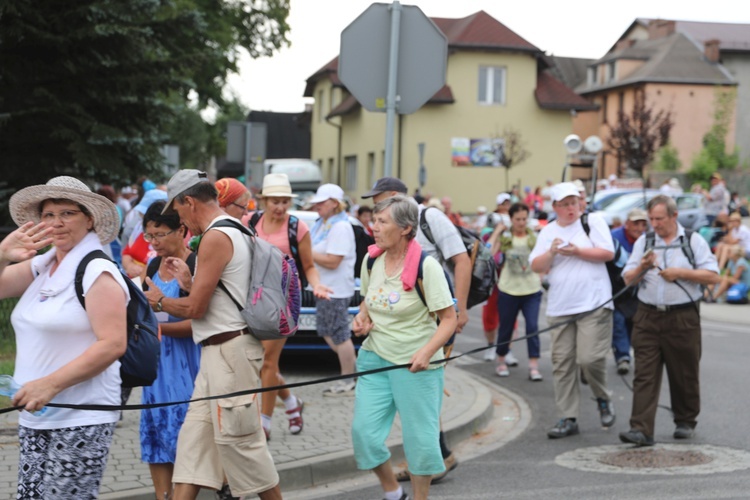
(579, 282)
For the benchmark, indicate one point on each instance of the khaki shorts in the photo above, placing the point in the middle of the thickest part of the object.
(225, 436)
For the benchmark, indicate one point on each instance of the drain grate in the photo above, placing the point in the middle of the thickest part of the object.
(655, 458)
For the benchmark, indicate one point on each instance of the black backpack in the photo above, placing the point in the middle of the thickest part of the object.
(627, 303)
(483, 268)
(153, 267)
(139, 364)
(419, 287)
(362, 240)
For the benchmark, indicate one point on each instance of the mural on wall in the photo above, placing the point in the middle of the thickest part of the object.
(467, 152)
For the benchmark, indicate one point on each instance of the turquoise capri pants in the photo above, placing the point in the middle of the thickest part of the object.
(417, 397)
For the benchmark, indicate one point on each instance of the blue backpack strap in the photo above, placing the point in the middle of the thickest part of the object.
(81, 270)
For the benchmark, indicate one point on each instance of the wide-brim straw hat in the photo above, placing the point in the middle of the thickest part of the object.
(25, 205)
(277, 186)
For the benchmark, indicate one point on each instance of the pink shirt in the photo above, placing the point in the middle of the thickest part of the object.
(280, 238)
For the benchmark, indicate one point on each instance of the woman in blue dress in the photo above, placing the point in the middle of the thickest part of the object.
(180, 356)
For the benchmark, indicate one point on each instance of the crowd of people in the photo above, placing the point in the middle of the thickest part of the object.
(415, 284)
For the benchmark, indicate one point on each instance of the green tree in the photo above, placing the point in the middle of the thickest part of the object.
(713, 155)
(87, 87)
(637, 135)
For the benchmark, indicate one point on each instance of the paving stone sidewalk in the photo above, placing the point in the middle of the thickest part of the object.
(321, 453)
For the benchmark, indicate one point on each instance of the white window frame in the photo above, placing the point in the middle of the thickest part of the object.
(491, 74)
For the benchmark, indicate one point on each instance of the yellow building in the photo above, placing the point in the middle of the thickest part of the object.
(495, 81)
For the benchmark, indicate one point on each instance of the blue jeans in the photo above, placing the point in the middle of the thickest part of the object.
(621, 331)
(509, 306)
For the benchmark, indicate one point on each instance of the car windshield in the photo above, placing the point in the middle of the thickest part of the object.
(627, 202)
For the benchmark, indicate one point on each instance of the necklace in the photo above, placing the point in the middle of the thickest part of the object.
(395, 269)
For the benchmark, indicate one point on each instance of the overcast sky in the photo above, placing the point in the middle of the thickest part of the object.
(574, 28)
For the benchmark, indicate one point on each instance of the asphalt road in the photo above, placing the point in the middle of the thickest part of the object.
(526, 467)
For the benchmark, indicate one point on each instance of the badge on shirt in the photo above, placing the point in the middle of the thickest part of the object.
(394, 297)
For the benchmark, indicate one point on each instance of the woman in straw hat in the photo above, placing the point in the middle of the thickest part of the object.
(291, 236)
(65, 354)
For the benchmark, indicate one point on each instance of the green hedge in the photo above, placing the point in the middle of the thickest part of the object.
(6, 331)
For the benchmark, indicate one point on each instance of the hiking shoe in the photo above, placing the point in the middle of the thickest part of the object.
(450, 464)
(606, 412)
(295, 423)
(636, 437)
(510, 359)
(341, 388)
(623, 367)
(563, 428)
(683, 431)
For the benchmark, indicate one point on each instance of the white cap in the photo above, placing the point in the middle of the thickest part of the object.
(579, 185)
(502, 198)
(481, 209)
(327, 192)
(563, 190)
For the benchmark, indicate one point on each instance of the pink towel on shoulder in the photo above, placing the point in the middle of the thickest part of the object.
(411, 262)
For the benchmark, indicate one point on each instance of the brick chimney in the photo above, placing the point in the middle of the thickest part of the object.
(711, 50)
(625, 44)
(660, 28)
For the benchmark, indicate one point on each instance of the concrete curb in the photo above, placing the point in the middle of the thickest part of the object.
(329, 467)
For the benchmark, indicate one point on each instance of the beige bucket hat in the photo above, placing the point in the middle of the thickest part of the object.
(25, 205)
(277, 185)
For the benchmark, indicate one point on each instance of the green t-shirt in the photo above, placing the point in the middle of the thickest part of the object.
(517, 278)
(401, 323)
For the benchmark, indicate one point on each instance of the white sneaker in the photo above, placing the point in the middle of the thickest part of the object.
(341, 388)
(510, 359)
(489, 354)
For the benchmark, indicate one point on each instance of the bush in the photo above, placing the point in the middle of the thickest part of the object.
(667, 159)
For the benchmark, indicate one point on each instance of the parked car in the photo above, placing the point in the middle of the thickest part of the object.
(602, 199)
(691, 211)
(306, 336)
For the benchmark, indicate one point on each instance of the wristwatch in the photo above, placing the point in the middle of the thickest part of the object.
(159, 306)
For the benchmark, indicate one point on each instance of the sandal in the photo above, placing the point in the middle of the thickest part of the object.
(534, 375)
(502, 371)
(295, 423)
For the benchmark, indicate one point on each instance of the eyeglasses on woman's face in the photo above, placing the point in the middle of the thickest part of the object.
(156, 236)
(64, 215)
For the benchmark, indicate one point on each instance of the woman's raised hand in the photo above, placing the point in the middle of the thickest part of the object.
(23, 243)
(180, 271)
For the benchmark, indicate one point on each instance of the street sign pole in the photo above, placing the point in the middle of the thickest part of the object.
(391, 103)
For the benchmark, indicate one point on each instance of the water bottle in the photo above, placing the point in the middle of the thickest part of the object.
(9, 387)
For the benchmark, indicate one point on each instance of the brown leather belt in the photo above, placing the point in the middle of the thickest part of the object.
(667, 308)
(220, 338)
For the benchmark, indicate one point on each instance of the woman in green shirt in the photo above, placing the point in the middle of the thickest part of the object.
(402, 329)
(520, 289)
